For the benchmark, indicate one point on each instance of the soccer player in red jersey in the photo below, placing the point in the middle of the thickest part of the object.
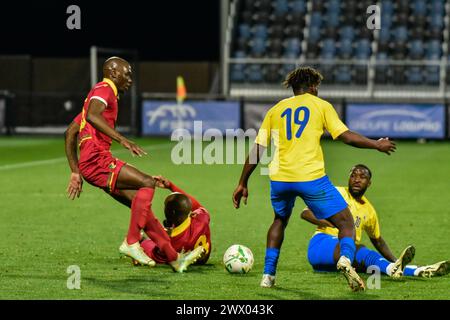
(187, 223)
(95, 132)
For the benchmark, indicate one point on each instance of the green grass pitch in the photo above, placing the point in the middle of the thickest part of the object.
(42, 232)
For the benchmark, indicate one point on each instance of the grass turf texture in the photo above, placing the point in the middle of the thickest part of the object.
(42, 232)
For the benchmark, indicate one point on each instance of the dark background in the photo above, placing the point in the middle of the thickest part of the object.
(160, 30)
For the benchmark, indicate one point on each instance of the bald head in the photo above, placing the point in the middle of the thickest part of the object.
(177, 208)
(119, 71)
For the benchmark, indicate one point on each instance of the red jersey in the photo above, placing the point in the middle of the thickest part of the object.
(77, 119)
(91, 138)
(193, 232)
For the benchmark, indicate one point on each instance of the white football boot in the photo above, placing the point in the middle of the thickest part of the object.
(267, 281)
(434, 270)
(136, 252)
(406, 257)
(184, 260)
(354, 280)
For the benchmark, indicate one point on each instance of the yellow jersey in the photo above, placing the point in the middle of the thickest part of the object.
(364, 216)
(295, 126)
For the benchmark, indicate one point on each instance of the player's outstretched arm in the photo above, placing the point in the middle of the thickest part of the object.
(165, 183)
(309, 216)
(383, 248)
(95, 118)
(359, 141)
(75, 186)
(251, 163)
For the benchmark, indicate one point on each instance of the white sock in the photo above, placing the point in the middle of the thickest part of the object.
(419, 269)
(389, 269)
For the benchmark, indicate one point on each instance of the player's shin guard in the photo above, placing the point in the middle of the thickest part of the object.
(140, 208)
(372, 258)
(348, 248)
(156, 232)
(271, 261)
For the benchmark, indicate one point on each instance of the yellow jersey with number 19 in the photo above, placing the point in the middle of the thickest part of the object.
(295, 126)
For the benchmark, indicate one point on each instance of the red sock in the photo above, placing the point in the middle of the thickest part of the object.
(156, 232)
(140, 208)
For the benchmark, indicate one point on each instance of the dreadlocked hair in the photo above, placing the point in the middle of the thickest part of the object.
(303, 77)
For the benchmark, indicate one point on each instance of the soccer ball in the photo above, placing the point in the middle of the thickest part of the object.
(238, 259)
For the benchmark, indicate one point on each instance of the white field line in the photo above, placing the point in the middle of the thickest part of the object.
(62, 159)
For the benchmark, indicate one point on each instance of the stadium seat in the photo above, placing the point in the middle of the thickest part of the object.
(434, 47)
(257, 47)
(314, 34)
(336, 29)
(436, 20)
(414, 75)
(347, 33)
(281, 7)
(328, 48)
(299, 6)
(416, 50)
(345, 49)
(400, 33)
(244, 31)
(432, 75)
(386, 21)
(419, 8)
(343, 74)
(332, 20)
(292, 46)
(260, 31)
(387, 7)
(237, 73)
(363, 49)
(334, 6)
(384, 35)
(254, 73)
(316, 20)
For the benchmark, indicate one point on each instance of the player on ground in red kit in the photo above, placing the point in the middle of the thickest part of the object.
(95, 131)
(187, 223)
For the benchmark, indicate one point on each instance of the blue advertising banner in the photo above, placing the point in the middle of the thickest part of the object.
(397, 120)
(163, 117)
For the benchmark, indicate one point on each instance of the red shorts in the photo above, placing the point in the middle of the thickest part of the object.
(100, 169)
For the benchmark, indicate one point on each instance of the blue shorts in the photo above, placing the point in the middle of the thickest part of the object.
(321, 252)
(319, 195)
